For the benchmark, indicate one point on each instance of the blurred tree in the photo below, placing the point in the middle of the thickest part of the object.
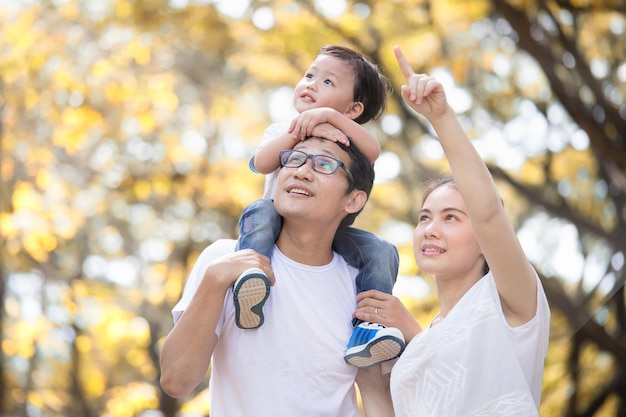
(125, 128)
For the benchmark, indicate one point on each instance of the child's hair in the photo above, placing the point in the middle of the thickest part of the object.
(371, 87)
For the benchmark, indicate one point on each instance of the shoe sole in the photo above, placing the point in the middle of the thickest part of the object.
(249, 297)
(384, 349)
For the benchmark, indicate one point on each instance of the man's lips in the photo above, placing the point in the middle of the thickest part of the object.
(296, 189)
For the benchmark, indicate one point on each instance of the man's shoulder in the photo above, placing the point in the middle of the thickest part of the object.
(218, 248)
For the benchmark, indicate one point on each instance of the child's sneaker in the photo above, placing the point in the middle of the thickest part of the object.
(249, 294)
(373, 343)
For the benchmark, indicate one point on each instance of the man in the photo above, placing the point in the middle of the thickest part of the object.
(292, 365)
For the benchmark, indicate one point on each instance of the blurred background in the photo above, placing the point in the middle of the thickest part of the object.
(125, 131)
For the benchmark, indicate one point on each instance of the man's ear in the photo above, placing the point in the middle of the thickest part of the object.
(356, 201)
(354, 110)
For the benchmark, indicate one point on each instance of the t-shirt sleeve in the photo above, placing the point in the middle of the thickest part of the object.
(208, 255)
(270, 133)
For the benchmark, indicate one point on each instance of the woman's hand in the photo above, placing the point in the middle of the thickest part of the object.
(423, 93)
(386, 309)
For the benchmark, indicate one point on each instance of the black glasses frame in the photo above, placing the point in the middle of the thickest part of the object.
(285, 154)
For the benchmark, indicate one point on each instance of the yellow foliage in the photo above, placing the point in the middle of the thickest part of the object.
(7, 227)
(46, 398)
(20, 35)
(39, 244)
(119, 93)
(130, 400)
(26, 198)
(140, 53)
(75, 124)
(199, 404)
(174, 284)
(123, 9)
(7, 167)
(93, 380)
(569, 161)
(146, 122)
(407, 260)
(161, 185)
(142, 190)
(23, 338)
(83, 343)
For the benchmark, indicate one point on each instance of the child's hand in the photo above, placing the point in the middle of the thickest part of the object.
(330, 132)
(424, 94)
(303, 125)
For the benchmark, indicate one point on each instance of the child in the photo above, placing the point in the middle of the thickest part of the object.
(340, 91)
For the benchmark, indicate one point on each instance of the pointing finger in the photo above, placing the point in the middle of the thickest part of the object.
(406, 68)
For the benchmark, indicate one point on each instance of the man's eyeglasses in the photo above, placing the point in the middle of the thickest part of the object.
(323, 164)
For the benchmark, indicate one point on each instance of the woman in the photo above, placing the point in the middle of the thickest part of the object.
(483, 354)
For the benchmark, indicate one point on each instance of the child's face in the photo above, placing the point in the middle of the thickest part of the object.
(328, 82)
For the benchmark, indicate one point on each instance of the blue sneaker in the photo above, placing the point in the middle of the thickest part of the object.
(249, 294)
(373, 343)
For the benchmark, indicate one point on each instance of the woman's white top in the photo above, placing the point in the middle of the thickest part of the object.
(473, 363)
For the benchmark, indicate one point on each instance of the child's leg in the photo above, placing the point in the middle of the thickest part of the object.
(259, 227)
(377, 261)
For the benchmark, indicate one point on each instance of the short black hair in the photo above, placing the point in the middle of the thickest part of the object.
(363, 173)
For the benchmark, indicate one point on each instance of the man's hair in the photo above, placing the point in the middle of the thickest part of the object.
(371, 87)
(363, 173)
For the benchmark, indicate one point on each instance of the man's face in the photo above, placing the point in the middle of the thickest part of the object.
(303, 193)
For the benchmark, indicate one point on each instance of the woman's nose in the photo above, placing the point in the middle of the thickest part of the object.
(431, 230)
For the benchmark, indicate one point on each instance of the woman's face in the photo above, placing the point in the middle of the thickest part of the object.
(444, 243)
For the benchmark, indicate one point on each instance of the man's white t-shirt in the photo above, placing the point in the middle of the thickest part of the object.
(293, 364)
(473, 363)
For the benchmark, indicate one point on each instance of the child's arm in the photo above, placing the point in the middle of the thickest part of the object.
(324, 122)
(277, 138)
(266, 158)
(514, 276)
(304, 125)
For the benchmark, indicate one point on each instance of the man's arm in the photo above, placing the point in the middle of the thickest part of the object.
(188, 348)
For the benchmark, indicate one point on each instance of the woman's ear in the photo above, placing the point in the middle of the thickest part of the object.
(354, 110)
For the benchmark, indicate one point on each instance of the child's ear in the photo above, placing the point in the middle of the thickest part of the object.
(354, 110)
